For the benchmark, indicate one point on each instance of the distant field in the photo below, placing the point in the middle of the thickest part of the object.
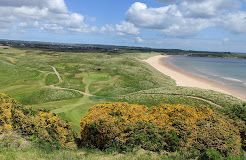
(70, 83)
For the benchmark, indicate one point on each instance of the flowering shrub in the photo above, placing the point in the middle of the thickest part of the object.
(200, 128)
(123, 126)
(41, 125)
(107, 125)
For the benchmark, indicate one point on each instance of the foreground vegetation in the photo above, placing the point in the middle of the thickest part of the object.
(60, 88)
(166, 131)
(169, 128)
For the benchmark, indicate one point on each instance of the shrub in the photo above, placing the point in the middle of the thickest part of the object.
(201, 128)
(109, 125)
(44, 126)
(150, 137)
(211, 154)
(122, 127)
(238, 113)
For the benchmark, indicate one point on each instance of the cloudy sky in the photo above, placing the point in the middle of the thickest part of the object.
(214, 25)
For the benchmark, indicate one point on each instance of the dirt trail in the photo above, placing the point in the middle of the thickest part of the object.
(189, 96)
(57, 74)
(205, 100)
(86, 93)
(69, 89)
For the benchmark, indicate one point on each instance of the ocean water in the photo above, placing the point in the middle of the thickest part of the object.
(229, 72)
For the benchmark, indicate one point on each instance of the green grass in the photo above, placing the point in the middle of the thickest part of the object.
(27, 75)
(82, 154)
(88, 79)
(51, 79)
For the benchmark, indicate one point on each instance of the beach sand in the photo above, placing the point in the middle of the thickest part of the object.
(184, 78)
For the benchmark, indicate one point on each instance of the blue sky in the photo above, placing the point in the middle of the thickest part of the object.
(214, 25)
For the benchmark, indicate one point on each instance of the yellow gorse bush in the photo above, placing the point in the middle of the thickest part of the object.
(5, 114)
(199, 128)
(44, 125)
(115, 118)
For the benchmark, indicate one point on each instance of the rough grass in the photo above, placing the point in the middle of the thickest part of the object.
(82, 154)
(51, 79)
(27, 76)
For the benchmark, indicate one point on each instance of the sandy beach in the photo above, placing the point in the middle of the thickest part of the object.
(184, 78)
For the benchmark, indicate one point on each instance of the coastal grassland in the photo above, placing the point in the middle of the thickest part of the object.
(86, 79)
(29, 134)
(28, 75)
(32, 78)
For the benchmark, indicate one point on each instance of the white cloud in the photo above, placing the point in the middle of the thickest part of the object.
(126, 28)
(235, 22)
(188, 17)
(52, 5)
(47, 15)
(107, 28)
(207, 8)
(175, 18)
(158, 18)
(138, 40)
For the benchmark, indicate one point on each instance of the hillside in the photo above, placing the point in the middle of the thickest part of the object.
(69, 84)
(166, 131)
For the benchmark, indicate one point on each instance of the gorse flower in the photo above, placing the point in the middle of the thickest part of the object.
(123, 126)
(45, 126)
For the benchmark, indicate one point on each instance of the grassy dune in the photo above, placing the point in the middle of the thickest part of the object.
(87, 79)
(90, 78)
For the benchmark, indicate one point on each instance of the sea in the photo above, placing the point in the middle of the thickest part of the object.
(230, 72)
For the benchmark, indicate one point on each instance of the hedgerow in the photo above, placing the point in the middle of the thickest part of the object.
(40, 126)
(122, 127)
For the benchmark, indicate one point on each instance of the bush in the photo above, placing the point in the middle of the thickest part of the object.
(110, 125)
(238, 113)
(211, 154)
(122, 127)
(150, 137)
(201, 128)
(41, 125)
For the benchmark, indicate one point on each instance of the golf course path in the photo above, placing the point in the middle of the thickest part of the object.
(69, 89)
(205, 100)
(57, 74)
(188, 96)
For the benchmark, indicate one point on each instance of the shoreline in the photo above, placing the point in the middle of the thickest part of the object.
(187, 79)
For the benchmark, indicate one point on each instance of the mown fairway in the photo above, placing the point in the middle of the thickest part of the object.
(70, 83)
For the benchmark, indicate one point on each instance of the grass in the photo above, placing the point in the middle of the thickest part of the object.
(51, 79)
(90, 78)
(82, 154)
(30, 79)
